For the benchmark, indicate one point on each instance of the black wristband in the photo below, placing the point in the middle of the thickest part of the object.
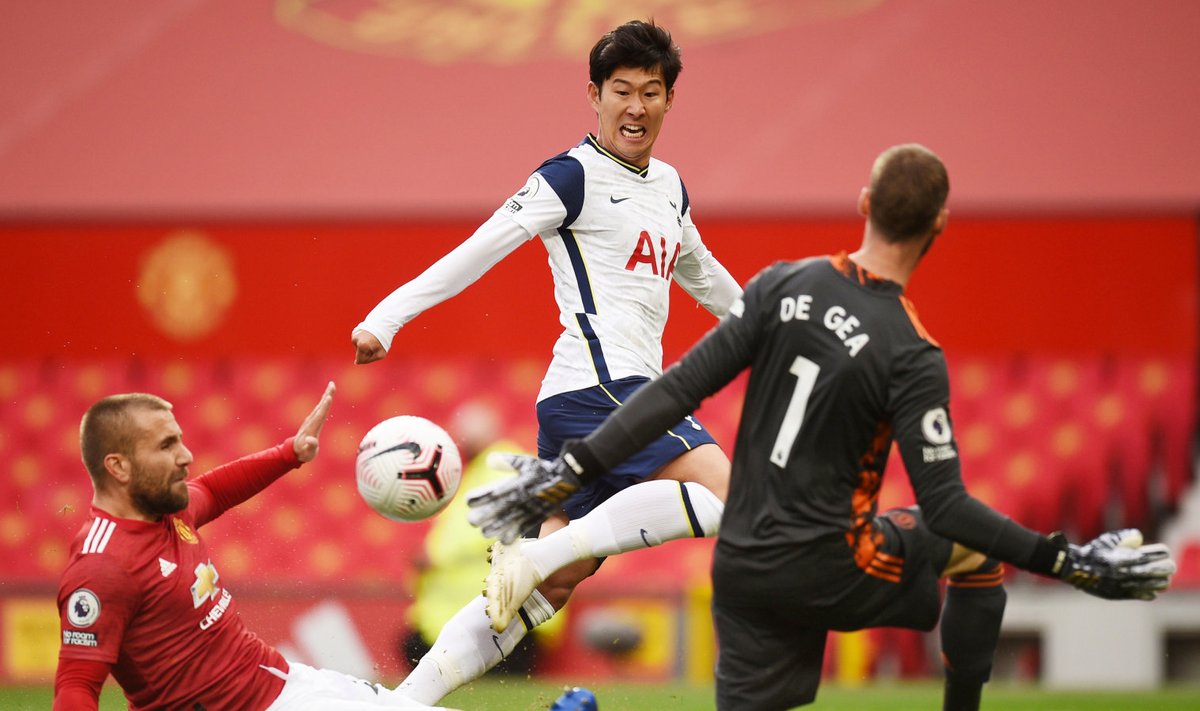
(1048, 556)
(590, 467)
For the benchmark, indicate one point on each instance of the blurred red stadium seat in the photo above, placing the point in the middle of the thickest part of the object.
(1188, 559)
(1040, 440)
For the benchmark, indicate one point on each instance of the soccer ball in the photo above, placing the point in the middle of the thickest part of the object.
(408, 468)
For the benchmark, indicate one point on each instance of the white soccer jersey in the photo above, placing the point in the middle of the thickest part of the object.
(616, 236)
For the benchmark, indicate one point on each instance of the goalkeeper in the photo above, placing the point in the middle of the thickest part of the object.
(840, 368)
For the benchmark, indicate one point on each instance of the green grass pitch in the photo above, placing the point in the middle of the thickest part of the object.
(525, 695)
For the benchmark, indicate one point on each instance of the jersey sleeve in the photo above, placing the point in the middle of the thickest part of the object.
(96, 601)
(708, 366)
(493, 241)
(551, 198)
(701, 275)
(77, 684)
(921, 418)
(215, 492)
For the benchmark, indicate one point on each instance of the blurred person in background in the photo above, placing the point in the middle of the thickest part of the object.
(840, 368)
(617, 225)
(141, 598)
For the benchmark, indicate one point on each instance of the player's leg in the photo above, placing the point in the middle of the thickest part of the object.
(705, 465)
(679, 502)
(513, 574)
(970, 615)
(970, 625)
(684, 499)
(963, 561)
(616, 513)
(467, 647)
(763, 662)
(310, 689)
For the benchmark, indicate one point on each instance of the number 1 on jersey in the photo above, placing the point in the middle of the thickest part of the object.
(806, 373)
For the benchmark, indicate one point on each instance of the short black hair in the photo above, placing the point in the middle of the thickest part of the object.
(909, 187)
(639, 44)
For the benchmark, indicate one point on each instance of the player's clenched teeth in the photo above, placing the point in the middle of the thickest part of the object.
(633, 131)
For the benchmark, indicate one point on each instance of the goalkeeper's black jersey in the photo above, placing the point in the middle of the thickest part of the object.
(840, 367)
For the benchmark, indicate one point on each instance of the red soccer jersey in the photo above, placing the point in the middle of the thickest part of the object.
(148, 599)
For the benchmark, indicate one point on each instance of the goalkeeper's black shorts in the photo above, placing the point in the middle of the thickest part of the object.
(773, 612)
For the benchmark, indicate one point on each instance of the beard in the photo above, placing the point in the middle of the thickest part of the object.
(156, 498)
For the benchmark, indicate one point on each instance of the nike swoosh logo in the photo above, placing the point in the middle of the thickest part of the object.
(644, 539)
(615, 201)
(412, 447)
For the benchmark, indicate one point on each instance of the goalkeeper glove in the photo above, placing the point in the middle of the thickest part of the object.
(508, 508)
(1115, 565)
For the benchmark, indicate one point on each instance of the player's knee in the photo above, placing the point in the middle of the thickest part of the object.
(704, 506)
(557, 588)
(977, 571)
(705, 465)
(556, 595)
(963, 561)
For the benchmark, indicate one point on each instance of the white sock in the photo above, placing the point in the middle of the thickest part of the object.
(467, 647)
(643, 515)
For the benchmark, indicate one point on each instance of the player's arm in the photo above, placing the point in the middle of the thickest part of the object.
(552, 197)
(77, 684)
(1116, 568)
(921, 419)
(505, 509)
(219, 490)
(701, 275)
(447, 277)
(96, 601)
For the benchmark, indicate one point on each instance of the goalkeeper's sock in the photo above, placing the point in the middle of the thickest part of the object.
(467, 647)
(970, 630)
(641, 516)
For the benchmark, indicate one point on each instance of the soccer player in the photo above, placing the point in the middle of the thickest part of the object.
(618, 228)
(840, 368)
(141, 597)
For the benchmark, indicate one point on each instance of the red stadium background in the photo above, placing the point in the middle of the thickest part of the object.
(201, 199)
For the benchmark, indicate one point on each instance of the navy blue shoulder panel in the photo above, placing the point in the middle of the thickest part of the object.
(685, 197)
(565, 174)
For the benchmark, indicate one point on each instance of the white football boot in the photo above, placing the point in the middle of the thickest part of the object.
(512, 580)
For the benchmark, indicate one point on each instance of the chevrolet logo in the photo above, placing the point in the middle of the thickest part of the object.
(205, 587)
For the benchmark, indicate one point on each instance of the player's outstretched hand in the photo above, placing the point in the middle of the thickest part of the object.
(367, 348)
(508, 508)
(1117, 566)
(307, 439)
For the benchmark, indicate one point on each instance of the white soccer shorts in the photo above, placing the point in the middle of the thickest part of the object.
(309, 689)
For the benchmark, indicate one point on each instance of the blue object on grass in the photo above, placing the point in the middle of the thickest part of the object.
(576, 699)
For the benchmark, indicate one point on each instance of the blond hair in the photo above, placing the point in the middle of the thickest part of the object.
(107, 427)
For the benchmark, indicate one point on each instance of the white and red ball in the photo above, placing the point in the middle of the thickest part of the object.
(407, 468)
